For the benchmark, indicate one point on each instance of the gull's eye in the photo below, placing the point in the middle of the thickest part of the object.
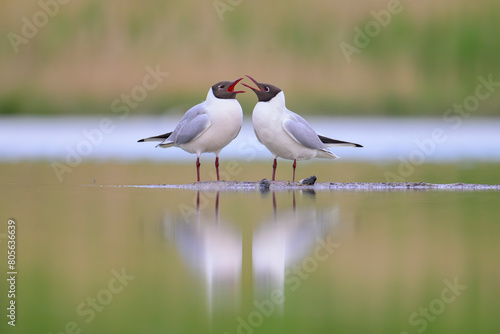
(221, 86)
(267, 89)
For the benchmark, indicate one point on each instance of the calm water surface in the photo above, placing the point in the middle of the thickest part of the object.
(384, 139)
(100, 259)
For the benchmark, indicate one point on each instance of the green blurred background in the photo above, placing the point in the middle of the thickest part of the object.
(90, 52)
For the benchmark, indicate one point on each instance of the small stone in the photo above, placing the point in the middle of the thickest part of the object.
(309, 181)
(264, 184)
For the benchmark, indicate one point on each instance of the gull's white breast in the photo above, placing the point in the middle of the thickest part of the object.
(267, 119)
(226, 117)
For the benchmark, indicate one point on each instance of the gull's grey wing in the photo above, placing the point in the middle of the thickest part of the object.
(194, 122)
(325, 140)
(303, 133)
(300, 119)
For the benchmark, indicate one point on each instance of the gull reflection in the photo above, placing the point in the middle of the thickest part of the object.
(285, 241)
(212, 249)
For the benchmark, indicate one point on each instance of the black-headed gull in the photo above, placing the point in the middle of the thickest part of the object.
(286, 134)
(208, 126)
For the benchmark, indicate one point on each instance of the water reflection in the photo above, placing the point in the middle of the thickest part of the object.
(212, 248)
(284, 241)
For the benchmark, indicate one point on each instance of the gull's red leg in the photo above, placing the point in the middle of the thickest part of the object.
(198, 168)
(217, 167)
(274, 168)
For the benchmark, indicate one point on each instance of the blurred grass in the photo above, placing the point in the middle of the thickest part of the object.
(92, 52)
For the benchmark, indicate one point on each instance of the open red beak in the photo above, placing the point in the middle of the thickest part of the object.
(231, 88)
(255, 82)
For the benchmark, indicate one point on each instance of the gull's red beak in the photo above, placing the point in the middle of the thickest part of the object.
(255, 82)
(231, 88)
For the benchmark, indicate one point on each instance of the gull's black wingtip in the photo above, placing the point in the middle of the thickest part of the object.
(140, 141)
(326, 140)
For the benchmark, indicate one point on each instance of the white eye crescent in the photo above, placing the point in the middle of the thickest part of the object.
(267, 89)
(221, 86)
